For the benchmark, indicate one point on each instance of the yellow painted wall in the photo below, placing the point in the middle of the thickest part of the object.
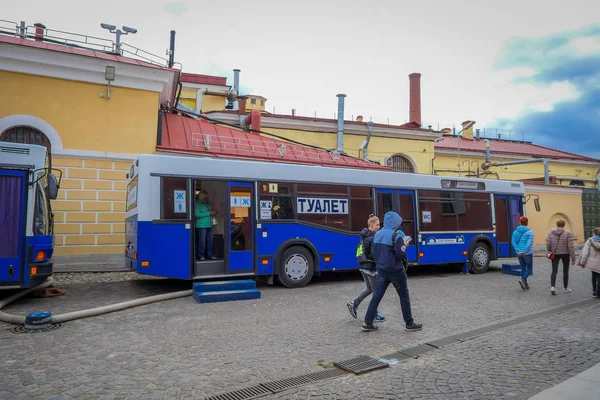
(555, 206)
(258, 105)
(89, 213)
(127, 123)
(420, 151)
(515, 172)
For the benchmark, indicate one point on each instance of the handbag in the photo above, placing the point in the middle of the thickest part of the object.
(551, 254)
(214, 221)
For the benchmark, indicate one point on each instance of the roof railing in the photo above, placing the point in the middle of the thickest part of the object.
(76, 40)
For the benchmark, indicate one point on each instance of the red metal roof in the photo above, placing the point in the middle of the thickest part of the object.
(204, 79)
(79, 52)
(188, 135)
(504, 147)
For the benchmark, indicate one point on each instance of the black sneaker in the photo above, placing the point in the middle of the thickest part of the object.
(414, 327)
(526, 285)
(368, 328)
(522, 283)
(594, 294)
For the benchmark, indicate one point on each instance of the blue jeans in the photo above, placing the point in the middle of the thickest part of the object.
(399, 280)
(526, 262)
(205, 242)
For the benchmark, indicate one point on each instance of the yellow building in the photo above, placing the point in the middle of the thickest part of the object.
(60, 97)
(567, 175)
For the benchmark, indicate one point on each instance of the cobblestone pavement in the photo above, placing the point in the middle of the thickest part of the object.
(513, 363)
(182, 349)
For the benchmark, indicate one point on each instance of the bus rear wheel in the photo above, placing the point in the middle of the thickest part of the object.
(296, 267)
(480, 258)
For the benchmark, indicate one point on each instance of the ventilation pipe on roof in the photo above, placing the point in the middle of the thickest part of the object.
(487, 164)
(340, 128)
(365, 144)
(39, 31)
(172, 50)
(236, 80)
(253, 119)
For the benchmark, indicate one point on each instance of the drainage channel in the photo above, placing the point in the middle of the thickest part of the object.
(363, 364)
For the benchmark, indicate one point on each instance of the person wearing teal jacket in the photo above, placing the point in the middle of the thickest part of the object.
(204, 214)
(522, 243)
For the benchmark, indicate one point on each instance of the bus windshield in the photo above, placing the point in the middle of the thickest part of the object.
(42, 215)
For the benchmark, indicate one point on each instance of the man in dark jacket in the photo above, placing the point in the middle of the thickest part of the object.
(389, 253)
(367, 266)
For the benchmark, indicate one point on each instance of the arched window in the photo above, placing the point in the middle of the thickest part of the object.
(400, 163)
(27, 135)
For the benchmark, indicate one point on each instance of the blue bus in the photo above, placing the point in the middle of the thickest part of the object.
(26, 237)
(290, 221)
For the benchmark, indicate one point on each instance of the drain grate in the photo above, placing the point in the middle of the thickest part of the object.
(252, 392)
(414, 352)
(21, 329)
(361, 364)
(288, 383)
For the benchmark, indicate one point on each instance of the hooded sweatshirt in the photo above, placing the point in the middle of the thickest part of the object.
(560, 241)
(389, 256)
(367, 237)
(522, 240)
(590, 255)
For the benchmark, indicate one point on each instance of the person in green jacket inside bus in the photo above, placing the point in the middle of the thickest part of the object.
(204, 214)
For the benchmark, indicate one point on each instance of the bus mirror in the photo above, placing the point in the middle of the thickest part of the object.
(536, 203)
(52, 187)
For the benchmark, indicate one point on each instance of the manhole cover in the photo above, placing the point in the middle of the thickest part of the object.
(361, 364)
(21, 329)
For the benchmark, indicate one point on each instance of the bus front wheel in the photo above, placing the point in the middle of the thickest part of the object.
(480, 258)
(296, 267)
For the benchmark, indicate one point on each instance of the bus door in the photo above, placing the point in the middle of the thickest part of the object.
(13, 186)
(402, 202)
(240, 229)
(507, 210)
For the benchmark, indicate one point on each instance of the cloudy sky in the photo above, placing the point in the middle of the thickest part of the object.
(527, 68)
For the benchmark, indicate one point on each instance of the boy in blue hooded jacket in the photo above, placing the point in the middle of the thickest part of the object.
(522, 242)
(389, 253)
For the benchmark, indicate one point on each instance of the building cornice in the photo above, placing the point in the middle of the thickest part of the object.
(41, 62)
(506, 156)
(331, 127)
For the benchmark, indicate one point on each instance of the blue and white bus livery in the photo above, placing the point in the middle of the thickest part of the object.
(26, 237)
(292, 221)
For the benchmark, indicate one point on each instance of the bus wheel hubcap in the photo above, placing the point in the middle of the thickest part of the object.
(296, 267)
(480, 256)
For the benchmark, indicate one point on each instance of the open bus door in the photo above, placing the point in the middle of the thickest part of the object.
(402, 202)
(508, 209)
(240, 229)
(13, 185)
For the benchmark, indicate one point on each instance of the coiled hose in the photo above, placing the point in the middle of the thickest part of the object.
(92, 312)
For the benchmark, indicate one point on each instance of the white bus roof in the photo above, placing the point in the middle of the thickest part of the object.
(18, 155)
(245, 170)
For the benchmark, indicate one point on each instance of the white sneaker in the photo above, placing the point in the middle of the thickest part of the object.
(568, 290)
(553, 291)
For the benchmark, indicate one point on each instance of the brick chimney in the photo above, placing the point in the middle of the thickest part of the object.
(415, 98)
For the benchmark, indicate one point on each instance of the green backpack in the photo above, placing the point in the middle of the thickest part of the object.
(361, 258)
